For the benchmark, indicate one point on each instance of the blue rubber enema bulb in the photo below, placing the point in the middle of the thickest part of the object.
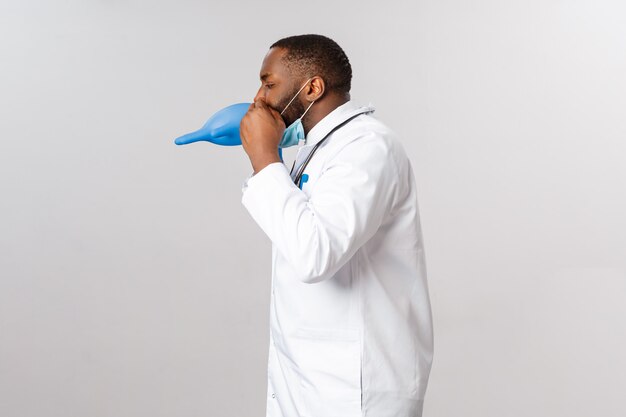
(222, 128)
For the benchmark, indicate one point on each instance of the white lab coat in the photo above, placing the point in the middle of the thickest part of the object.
(350, 317)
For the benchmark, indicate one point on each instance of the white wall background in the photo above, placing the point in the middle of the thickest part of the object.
(133, 282)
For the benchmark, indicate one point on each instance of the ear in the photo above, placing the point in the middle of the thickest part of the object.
(316, 89)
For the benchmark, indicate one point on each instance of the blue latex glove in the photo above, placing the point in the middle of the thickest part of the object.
(222, 128)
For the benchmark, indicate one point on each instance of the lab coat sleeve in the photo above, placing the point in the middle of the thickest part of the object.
(244, 184)
(347, 204)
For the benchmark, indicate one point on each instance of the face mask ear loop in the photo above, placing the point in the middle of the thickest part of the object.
(294, 97)
(307, 109)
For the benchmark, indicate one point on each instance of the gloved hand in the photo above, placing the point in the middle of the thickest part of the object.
(222, 128)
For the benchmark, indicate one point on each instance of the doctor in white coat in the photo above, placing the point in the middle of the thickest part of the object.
(350, 318)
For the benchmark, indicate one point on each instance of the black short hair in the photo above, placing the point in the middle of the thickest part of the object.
(318, 55)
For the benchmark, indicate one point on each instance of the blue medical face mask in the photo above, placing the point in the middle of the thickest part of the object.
(295, 131)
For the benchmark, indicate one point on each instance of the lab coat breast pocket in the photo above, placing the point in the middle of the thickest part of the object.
(330, 364)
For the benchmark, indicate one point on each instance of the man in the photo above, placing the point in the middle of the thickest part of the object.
(350, 319)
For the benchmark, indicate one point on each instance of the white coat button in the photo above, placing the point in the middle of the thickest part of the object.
(273, 395)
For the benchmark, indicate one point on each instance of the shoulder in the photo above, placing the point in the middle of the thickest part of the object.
(372, 140)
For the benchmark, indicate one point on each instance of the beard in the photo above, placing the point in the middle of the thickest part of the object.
(295, 109)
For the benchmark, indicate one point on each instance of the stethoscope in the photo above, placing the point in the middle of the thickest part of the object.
(298, 179)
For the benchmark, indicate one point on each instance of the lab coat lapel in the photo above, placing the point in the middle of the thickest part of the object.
(325, 126)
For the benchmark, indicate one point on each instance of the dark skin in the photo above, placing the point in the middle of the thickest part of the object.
(262, 127)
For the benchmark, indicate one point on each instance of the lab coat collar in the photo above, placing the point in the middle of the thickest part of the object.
(334, 118)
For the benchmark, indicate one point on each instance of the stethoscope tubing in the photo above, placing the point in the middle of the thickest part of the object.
(302, 167)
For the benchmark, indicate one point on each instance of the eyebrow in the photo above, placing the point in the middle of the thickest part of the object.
(264, 76)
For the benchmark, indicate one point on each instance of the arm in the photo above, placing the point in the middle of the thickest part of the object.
(349, 201)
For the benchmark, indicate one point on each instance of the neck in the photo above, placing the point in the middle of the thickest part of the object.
(321, 109)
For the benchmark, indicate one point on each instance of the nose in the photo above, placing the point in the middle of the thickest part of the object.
(260, 93)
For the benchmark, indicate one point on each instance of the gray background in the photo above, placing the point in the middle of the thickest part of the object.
(134, 283)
